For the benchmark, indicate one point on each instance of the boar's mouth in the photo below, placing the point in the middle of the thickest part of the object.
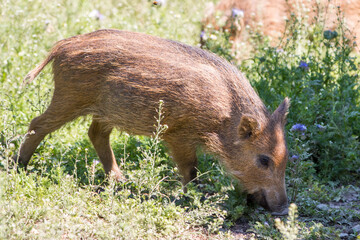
(260, 198)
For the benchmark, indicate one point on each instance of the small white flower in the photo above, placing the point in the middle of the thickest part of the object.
(159, 2)
(213, 37)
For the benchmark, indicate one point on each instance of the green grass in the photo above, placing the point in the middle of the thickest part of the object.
(64, 193)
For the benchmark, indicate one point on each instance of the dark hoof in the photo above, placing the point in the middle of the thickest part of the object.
(99, 190)
(18, 163)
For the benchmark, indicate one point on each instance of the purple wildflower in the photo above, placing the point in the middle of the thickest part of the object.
(96, 14)
(202, 34)
(298, 128)
(237, 13)
(320, 127)
(303, 65)
(294, 158)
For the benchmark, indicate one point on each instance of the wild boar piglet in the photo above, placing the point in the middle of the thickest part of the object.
(119, 77)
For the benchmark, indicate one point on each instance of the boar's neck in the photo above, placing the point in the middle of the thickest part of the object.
(244, 101)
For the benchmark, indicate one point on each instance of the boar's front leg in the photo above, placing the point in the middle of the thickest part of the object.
(99, 134)
(185, 157)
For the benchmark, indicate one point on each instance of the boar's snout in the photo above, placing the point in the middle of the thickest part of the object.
(278, 206)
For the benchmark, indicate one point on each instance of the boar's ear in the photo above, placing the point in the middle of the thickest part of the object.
(248, 127)
(282, 111)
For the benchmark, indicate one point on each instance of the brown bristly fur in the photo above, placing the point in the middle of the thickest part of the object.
(119, 78)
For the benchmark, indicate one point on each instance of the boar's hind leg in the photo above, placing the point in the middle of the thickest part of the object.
(99, 134)
(56, 115)
(186, 160)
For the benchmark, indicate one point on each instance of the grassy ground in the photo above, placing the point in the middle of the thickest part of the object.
(64, 193)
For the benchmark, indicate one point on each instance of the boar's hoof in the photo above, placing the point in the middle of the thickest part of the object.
(118, 177)
(18, 163)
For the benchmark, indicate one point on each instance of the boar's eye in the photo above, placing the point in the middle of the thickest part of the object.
(264, 160)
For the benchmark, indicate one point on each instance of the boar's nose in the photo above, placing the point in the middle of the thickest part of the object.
(283, 212)
(280, 209)
(259, 197)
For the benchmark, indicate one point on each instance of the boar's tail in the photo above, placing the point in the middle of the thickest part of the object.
(33, 73)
